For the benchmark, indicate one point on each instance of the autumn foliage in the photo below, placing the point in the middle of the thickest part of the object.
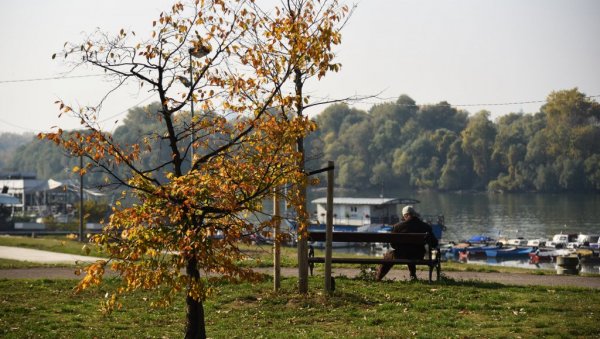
(241, 67)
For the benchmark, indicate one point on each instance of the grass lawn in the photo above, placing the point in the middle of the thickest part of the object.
(362, 309)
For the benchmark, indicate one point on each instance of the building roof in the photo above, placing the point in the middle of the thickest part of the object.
(367, 201)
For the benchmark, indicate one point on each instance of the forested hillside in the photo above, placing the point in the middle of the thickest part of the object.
(9, 143)
(402, 144)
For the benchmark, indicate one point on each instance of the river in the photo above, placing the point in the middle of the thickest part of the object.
(527, 215)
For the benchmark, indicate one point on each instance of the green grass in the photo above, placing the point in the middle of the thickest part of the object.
(358, 308)
(10, 264)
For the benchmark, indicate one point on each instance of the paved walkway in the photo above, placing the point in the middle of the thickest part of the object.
(46, 257)
(398, 273)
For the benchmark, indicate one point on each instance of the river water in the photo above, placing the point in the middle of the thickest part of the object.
(524, 215)
(527, 215)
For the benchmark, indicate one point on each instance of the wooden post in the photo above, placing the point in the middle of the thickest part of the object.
(302, 245)
(81, 198)
(329, 229)
(276, 244)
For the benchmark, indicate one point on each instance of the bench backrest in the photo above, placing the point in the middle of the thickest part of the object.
(398, 238)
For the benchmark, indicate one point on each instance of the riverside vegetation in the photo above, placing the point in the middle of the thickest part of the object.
(43, 308)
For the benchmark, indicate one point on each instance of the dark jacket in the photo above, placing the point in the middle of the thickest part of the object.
(414, 225)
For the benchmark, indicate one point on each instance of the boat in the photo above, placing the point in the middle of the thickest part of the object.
(584, 241)
(478, 251)
(481, 239)
(508, 251)
(358, 214)
(517, 242)
(537, 242)
(547, 255)
(561, 240)
(366, 215)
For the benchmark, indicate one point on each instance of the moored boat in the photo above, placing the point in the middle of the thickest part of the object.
(561, 240)
(547, 255)
(509, 252)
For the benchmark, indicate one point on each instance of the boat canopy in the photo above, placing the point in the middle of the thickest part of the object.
(368, 201)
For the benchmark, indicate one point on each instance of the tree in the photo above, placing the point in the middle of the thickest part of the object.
(573, 121)
(442, 115)
(592, 171)
(9, 143)
(231, 60)
(477, 142)
(457, 171)
(306, 32)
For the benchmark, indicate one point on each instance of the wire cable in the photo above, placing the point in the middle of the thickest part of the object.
(51, 78)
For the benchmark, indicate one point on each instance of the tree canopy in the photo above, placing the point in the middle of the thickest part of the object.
(403, 145)
(195, 176)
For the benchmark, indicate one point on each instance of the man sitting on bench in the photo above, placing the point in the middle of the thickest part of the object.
(411, 223)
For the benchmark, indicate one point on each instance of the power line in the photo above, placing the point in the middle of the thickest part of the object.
(463, 105)
(364, 101)
(16, 126)
(50, 78)
(101, 121)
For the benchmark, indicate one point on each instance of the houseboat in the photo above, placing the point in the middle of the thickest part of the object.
(367, 214)
(358, 214)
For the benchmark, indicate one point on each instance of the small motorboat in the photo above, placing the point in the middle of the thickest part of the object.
(508, 251)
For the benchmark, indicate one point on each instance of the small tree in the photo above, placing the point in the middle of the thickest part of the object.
(229, 59)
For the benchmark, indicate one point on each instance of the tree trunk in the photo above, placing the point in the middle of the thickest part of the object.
(195, 327)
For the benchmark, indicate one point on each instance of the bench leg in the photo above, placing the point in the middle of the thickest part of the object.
(311, 254)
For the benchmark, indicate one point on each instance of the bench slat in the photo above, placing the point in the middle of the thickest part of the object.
(321, 260)
(399, 238)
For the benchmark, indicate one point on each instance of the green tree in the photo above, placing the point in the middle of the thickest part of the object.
(573, 121)
(442, 115)
(9, 143)
(457, 172)
(592, 171)
(477, 142)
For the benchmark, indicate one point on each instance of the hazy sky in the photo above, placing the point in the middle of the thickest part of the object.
(464, 52)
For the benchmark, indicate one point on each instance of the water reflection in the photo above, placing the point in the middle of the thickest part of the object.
(524, 263)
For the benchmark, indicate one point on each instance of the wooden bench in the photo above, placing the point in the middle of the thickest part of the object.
(431, 258)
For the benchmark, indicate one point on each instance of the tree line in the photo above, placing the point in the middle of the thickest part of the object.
(439, 147)
(404, 145)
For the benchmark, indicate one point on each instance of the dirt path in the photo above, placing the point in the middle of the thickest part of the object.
(395, 274)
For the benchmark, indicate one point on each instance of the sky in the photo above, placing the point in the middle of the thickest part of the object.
(497, 55)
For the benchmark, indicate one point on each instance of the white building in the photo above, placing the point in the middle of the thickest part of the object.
(43, 196)
(361, 211)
